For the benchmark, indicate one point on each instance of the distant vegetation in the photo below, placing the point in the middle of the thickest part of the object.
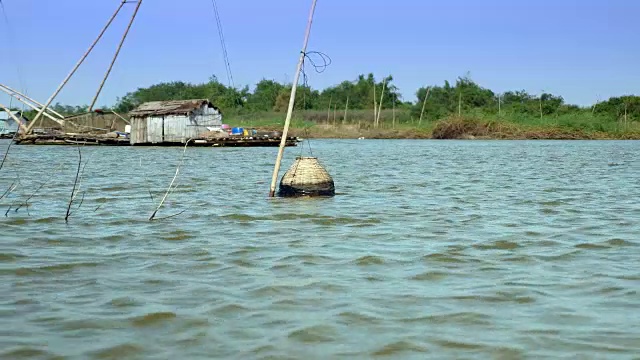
(266, 104)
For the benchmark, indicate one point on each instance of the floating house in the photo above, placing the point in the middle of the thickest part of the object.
(173, 122)
(8, 126)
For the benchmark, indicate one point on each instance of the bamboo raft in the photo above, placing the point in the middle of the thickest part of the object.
(67, 139)
(97, 140)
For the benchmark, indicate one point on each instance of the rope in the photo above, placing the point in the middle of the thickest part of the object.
(227, 64)
(326, 61)
(318, 68)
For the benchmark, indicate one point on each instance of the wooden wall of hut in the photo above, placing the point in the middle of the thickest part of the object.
(47, 124)
(138, 130)
(95, 123)
(174, 128)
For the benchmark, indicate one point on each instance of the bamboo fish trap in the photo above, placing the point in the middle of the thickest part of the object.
(306, 177)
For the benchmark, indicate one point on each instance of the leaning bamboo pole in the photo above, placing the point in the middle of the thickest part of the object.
(375, 104)
(16, 94)
(75, 68)
(292, 98)
(15, 118)
(115, 57)
(33, 107)
(121, 117)
(384, 83)
(424, 103)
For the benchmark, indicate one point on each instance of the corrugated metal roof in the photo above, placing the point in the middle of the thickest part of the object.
(171, 107)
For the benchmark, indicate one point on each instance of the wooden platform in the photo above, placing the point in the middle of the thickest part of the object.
(96, 140)
(62, 139)
(230, 142)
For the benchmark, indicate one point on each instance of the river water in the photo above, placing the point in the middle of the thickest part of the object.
(430, 249)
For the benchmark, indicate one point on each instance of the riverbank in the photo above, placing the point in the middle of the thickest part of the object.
(460, 128)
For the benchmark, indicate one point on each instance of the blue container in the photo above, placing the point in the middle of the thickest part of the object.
(237, 131)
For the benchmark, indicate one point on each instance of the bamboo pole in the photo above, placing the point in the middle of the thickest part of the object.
(121, 117)
(29, 104)
(16, 94)
(541, 104)
(375, 103)
(292, 98)
(329, 109)
(15, 118)
(346, 108)
(393, 122)
(384, 83)
(124, 37)
(75, 68)
(424, 103)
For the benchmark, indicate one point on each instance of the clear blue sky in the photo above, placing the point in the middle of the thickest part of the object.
(583, 50)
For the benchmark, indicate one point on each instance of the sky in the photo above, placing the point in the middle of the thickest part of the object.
(583, 50)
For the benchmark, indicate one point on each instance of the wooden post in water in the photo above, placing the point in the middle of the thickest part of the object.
(292, 99)
(126, 32)
(75, 68)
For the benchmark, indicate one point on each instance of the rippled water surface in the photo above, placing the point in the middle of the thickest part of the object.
(430, 249)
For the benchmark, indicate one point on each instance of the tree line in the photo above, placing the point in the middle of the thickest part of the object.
(433, 102)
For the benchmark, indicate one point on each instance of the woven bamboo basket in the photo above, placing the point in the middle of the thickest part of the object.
(306, 177)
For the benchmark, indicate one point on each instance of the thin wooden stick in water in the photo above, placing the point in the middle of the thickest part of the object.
(9, 190)
(4, 158)
(75, 183)
(26, 202)
(146, 180)
(172, 181)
